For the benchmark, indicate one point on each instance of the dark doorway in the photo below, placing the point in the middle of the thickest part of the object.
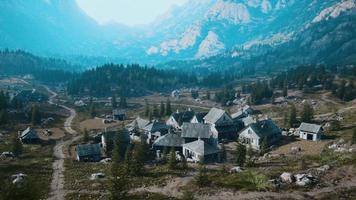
(309, 136)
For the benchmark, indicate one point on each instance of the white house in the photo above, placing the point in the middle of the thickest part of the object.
(177, 119)
(217, 117)
(198, 118)
(310, 131)
(200, 151)
(254, 134)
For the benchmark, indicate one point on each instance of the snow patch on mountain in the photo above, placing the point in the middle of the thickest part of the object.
(275, 39)
(210, 46)
(152, 50)
(188, 39)
(253, 3)
(335, 10)
(266, 6)
(235, 13)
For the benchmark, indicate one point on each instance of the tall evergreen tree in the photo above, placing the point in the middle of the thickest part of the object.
(92, 111)
(208, 96)
(162, 109)
(172, 164)
(86, 137)
(168, 107)
(3, 117)
(36, 115)
(140, 156)
(264, 145)
(307, 113)
(201, 178)
(120, 147)
(17, 147)
(123, 103)
(128, 160)
(147, 108)
(354, 136)
(292, 116)
(240, 154)
(113, 102)
(118, 182)
(155, 111)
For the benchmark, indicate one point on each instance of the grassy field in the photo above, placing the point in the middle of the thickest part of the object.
(36, 162)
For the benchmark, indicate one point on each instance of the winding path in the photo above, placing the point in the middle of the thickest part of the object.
(57, 185)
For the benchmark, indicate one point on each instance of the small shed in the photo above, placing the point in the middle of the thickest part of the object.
(88, 152)
(200, 151)
(170, 140)
(29, 136)
(310, 131)
(119, 114)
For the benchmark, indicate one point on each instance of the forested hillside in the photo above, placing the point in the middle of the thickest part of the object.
(43, 69)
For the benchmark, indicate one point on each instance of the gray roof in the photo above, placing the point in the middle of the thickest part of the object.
(182, 117)
(156, 126)
(119, 112)
(111, 134)
(238, 114)
(200, 116)
(169, 140)
(88, 149)
(265, 128)
(201, 147)
(248, 120)
(193, 130)
(214, 115)
(29, 133)
(139, 123)
(311, 128)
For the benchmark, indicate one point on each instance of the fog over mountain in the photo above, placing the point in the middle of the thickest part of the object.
(240, 31)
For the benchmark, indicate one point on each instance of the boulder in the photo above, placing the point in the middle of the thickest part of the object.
(287, 177)
(235, 170)
(323, 168)
(303, 179)
(97, 176)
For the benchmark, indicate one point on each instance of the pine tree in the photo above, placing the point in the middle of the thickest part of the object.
(184, 163)
(36, 115)
(118, 182)
(208, 96)
(92, 111)
(264, 145)
(162, 109)
(17, 147)
(120, 147)
(292, 116)
(123, 103)
(201, 178)
(147, 108)
(3, 117)
(188, 195)
(155, 111)
(86, 137)
(140, 154)
(168, 107)
(114, 102)
(240, 154)
(307, 113)
(354, 137)
(172, 164)
(285, 89)
(223, 152)
(128, 160)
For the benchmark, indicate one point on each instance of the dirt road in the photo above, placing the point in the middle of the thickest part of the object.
(57, 185)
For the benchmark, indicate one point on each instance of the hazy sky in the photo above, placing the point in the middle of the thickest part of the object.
(129, 12)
